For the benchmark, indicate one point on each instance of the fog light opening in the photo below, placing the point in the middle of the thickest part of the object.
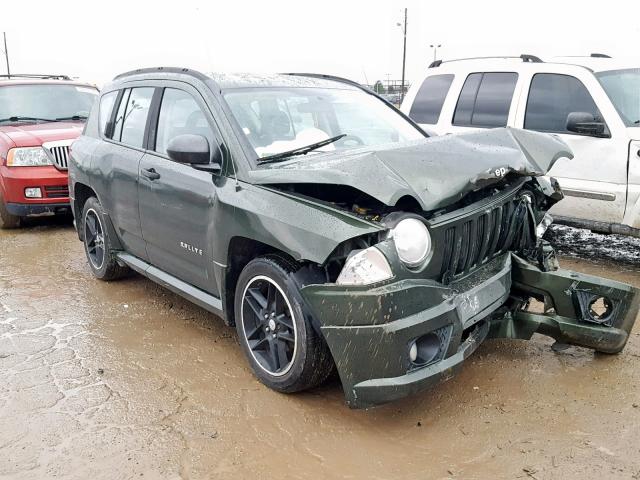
(600, 308)
(424, 349)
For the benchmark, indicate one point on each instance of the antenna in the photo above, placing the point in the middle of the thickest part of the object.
(6, 54)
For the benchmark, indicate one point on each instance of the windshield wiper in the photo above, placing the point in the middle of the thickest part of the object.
(20, 119)
(72, 117)
(300, 150)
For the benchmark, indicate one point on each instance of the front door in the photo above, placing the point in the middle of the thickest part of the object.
(595, 180)
(177, 201)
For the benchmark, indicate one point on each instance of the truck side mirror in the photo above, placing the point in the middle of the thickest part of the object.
(586, 123)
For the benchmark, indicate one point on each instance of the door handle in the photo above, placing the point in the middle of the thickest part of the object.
(150, 173)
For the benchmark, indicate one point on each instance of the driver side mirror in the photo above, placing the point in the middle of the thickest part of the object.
(586, 123)
(194, 150)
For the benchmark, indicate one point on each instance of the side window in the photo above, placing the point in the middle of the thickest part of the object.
(180, 114)
(430, 98)
(106, 107)
(552, 97)
(135, 116)
(485, 100)
(117, 124)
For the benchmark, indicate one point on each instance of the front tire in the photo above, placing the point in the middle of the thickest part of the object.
(6, 219)
(98, 245)
(274, 328)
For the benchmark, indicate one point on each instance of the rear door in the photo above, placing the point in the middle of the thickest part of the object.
(485, 101)
(595, 181)
(177, 201)
(118, 158)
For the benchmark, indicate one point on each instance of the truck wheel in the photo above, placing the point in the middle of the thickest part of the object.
(6, 219)
(97, 244)
(274, 328)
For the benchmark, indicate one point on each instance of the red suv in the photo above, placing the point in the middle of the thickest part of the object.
(40, 116)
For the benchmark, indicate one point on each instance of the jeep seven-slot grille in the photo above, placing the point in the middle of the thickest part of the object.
(60, 156)
(474, 241)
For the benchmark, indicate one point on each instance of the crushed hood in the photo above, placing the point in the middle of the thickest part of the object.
(436, 172)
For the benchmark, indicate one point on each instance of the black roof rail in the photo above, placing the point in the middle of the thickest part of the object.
(600, 55)
(524, 57)
(44, 76)
(530, 58)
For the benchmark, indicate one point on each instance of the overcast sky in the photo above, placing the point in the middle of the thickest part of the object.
(356, 39)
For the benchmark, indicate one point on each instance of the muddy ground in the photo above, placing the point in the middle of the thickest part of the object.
(126, 380)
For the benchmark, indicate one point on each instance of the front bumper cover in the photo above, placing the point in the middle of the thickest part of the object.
(369, 329)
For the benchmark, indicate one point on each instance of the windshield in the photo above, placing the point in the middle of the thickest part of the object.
(277, 120)
(623, 89)
(46, 101)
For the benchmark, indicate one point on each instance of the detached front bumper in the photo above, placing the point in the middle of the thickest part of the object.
(370, 330)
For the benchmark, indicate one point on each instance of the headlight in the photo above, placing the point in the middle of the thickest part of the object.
(365, 267)
(412, 240)
(27, 157)
(543, 225)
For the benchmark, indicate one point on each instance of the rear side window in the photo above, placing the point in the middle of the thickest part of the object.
(485, 100)
(119, 120)
(135, 116)
(430, 98)
(106, 108)
(180, 114)
(552, 97)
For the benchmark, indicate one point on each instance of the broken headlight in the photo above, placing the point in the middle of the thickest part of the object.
(412, 240)
(365, 267)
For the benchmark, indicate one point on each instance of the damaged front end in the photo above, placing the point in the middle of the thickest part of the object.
(395, 326)
(457, 257)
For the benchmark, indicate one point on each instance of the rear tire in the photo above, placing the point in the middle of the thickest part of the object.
(6, 219)
(98, 245)
(274, 328)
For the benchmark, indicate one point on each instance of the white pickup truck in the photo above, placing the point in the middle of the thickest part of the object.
(593, 103)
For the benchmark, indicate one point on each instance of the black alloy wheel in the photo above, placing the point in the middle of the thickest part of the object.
(94, 238)
(98, 244)
(268, 325)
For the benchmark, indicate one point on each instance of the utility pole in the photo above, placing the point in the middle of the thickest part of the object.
(404, 53)
(6, 54)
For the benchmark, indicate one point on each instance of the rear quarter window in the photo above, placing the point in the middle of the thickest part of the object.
(428, 103)
(107, 102)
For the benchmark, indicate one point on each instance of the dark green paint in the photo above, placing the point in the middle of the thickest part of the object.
(368, 328)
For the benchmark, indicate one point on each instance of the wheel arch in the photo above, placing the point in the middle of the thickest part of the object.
(82, 193)
(240, 252)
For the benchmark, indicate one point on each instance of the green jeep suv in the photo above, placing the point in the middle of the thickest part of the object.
(329, 229)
